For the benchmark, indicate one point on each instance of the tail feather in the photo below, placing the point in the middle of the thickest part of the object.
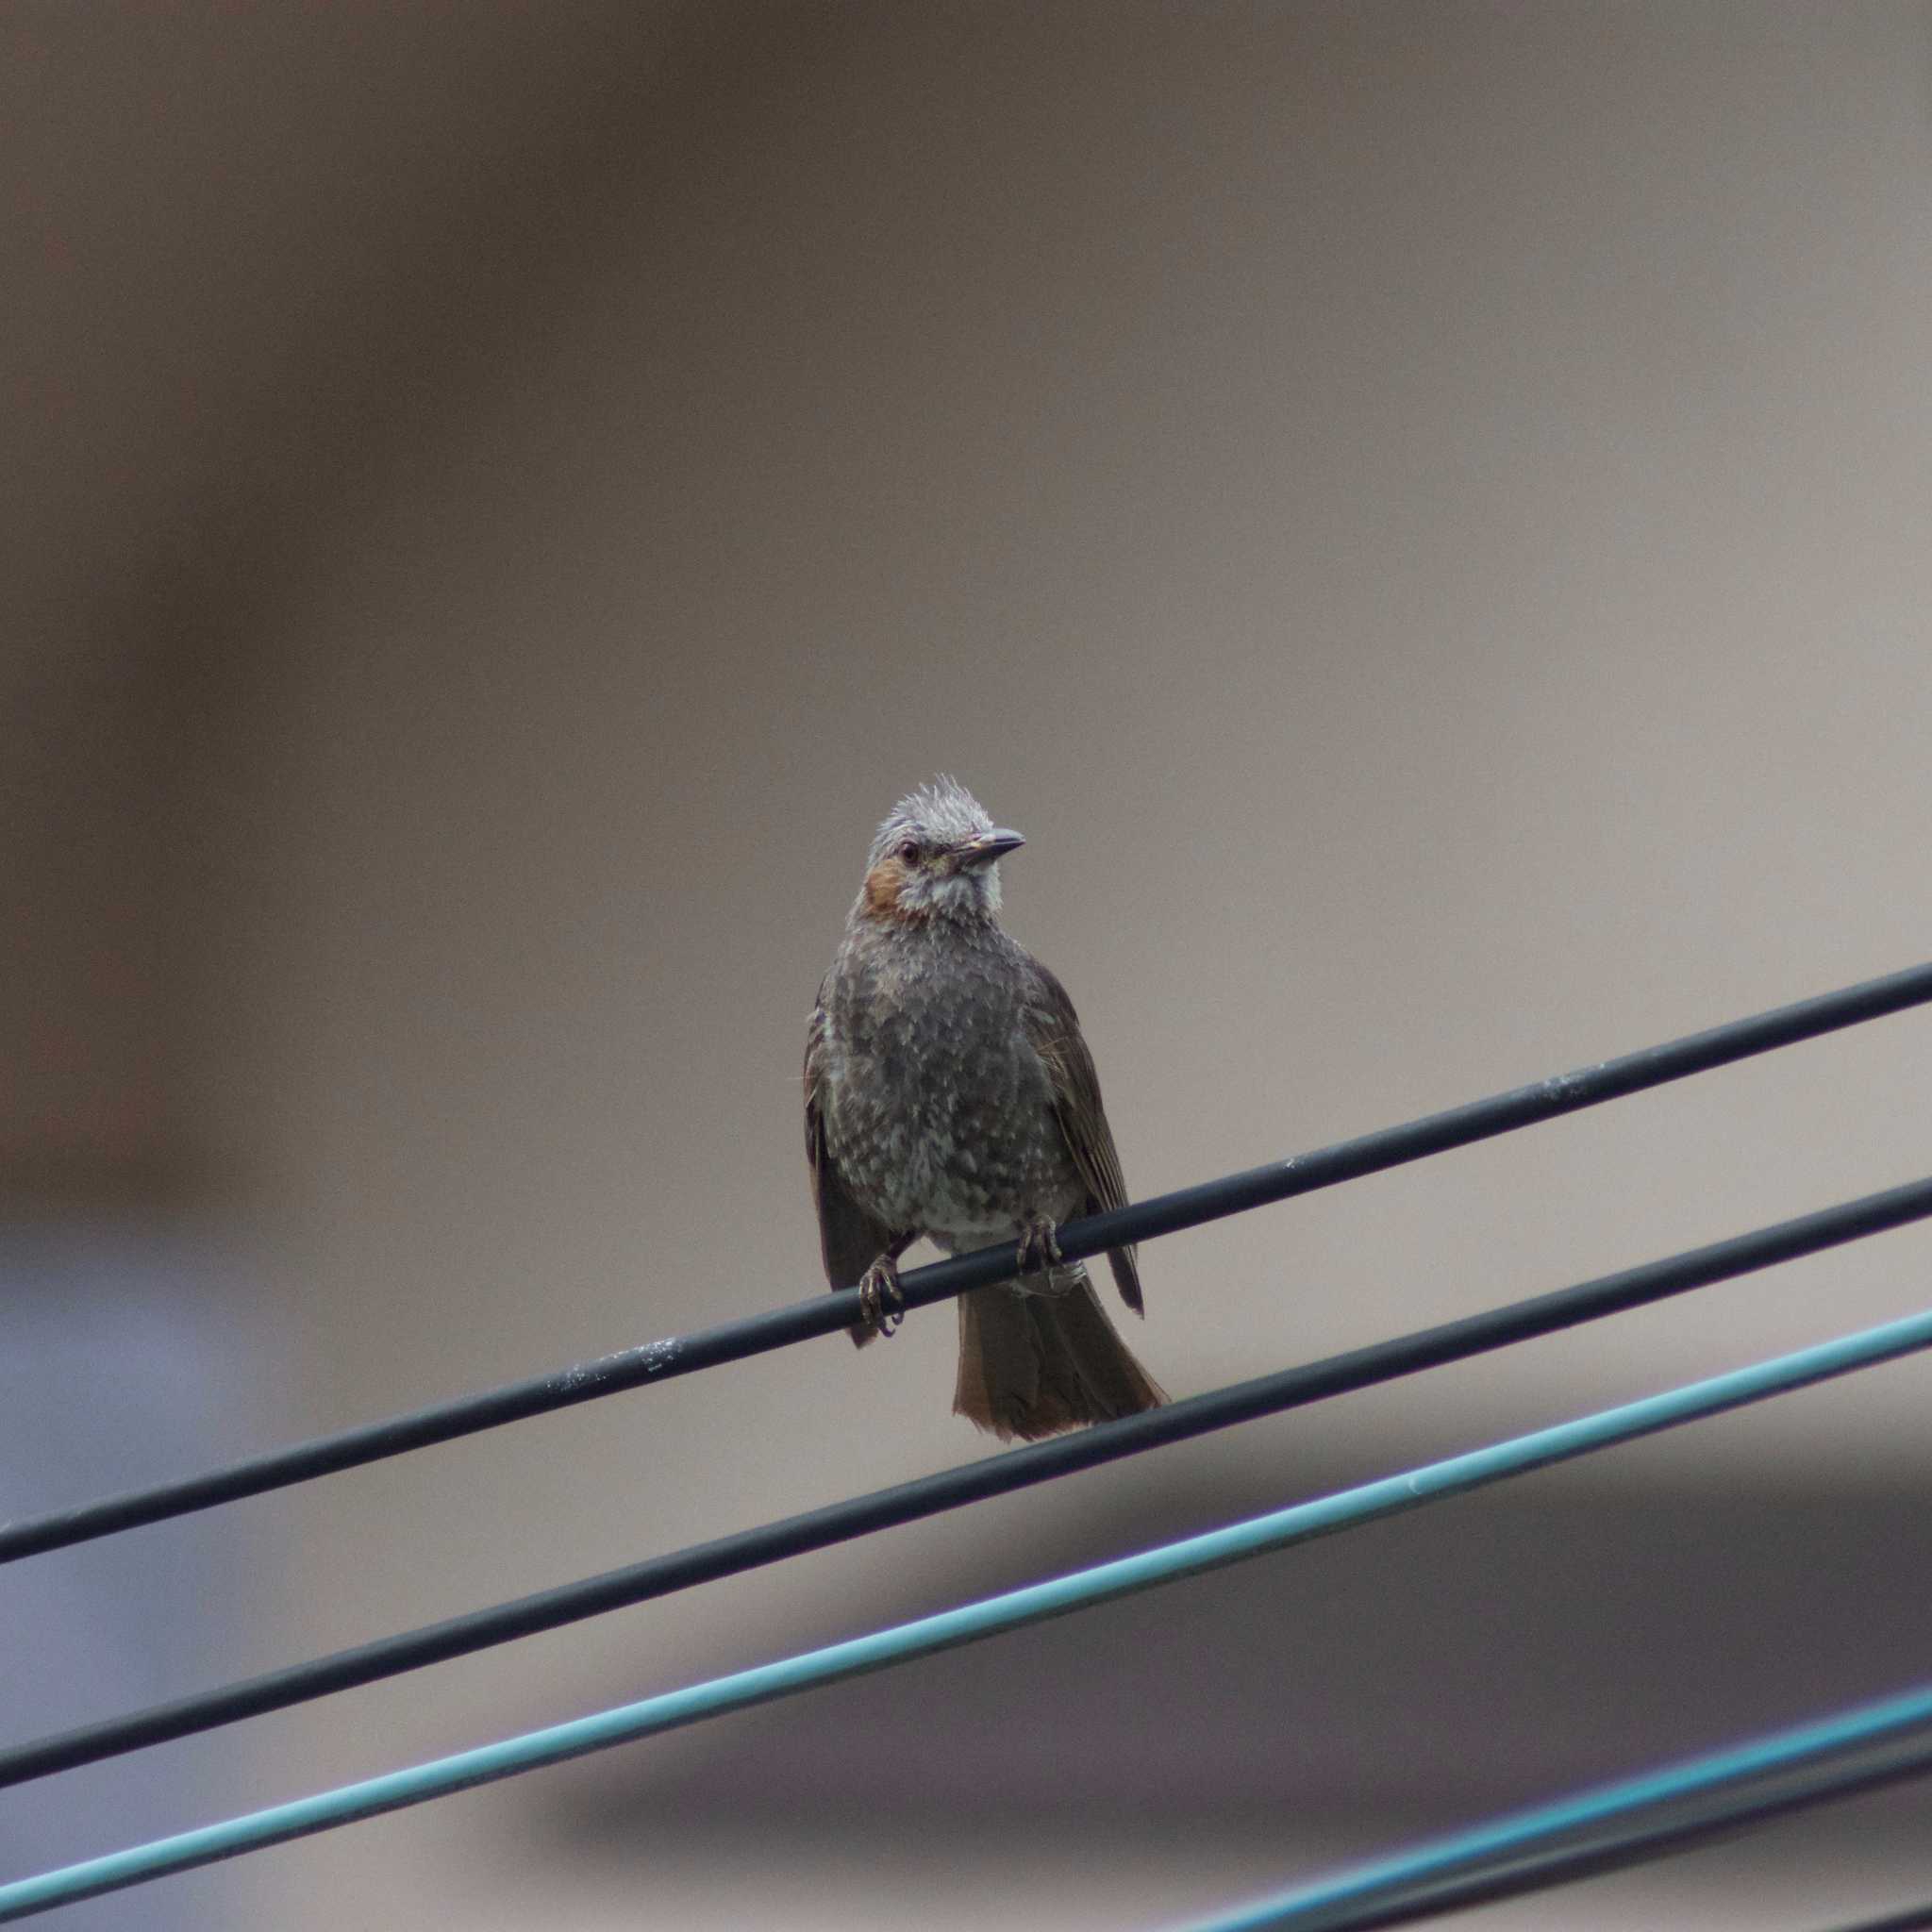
(1033, 1364)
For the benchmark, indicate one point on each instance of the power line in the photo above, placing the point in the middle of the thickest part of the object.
(971, 1623)
(950, 1489)
(1599, 1830)
(659, 1361)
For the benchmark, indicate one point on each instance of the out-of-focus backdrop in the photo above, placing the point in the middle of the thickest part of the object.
(1421, 516)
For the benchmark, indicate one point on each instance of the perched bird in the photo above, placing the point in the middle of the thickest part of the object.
(948, 1092)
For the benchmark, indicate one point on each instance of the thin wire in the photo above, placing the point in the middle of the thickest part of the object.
(969, 1623)
(971, 1482)
(659, 1361)
(1615, 1824)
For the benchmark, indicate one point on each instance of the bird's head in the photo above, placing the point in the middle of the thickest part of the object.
(935, 857)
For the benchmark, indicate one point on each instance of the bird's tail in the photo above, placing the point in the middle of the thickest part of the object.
(1034, 1363)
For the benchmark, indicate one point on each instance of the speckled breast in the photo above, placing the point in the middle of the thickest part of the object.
(939, 1114)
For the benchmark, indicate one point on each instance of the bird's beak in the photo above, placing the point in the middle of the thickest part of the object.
(988, 847)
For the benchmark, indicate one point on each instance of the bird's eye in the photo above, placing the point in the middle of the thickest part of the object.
(909, 850)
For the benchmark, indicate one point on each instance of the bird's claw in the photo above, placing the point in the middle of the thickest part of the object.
(880, 1301)
(1040, 1247)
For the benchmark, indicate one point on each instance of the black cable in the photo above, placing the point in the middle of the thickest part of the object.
(1914, 1919)
(969, 1482)
(1279, 1180)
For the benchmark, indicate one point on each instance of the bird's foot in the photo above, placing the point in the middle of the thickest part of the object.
(880, 1301)
(1040, 1247)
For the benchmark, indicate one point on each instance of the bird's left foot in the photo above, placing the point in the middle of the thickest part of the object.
(1040, 1247)
(880, 1298)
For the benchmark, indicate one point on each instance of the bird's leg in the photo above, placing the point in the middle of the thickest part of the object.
(1040, 1247)
(1040, 1252)
(879, 1299)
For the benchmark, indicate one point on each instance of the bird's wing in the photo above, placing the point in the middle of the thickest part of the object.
(1054, 1028)
(850, 1239)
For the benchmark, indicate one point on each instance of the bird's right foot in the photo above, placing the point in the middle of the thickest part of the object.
(1040, 1247)
(880, 1301)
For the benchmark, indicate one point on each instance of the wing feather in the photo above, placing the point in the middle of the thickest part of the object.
(1055, 1029)
(849, 1238)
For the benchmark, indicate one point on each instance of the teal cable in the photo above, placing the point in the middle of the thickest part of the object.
(926, 1635)
(1423, 1881)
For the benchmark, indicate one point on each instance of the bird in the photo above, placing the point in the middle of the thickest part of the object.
(949, 1093)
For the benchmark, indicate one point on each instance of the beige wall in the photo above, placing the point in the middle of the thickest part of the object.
(1419, 515)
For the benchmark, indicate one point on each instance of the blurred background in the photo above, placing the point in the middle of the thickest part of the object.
(1419, 514)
